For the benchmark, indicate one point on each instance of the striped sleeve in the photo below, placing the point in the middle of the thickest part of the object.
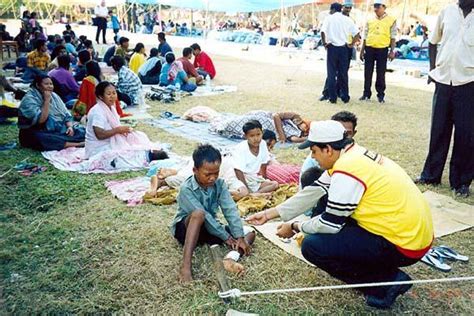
(344, 195)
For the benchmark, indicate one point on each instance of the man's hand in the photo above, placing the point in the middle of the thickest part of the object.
(362, 55)
(391, 55)
(284, 230)
(430, 80)
(70, 131)
(242, 245)
(259, 218)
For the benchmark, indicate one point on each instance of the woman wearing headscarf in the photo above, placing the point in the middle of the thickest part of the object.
(44, 121)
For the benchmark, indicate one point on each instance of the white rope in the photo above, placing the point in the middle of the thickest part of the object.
(233, 293)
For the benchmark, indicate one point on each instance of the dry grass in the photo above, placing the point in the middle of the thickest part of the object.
(67, 246)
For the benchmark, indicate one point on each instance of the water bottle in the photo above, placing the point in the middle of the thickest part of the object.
(208, 81)
(177, 91)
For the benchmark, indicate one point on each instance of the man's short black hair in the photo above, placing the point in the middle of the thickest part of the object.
(64, 61)
(346, 117)
(195, 46)
(250, 125)
(88, 44)
(39, 43)
(310, 175)
(162, 36)
(187, 51)
(117, 62)
(170, 58)
(154, 52)
(123, 40)
(84, 56)
(205, 153)
(269, 135)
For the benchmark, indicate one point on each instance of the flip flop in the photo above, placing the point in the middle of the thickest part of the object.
(433, 259)
(448, 253)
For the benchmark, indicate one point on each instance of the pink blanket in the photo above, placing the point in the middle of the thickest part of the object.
(283, 173)
(74, 159)
(130, 191)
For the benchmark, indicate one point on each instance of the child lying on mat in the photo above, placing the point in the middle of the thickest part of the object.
(199, 199)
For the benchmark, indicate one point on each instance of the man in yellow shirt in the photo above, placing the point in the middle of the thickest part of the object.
(380, 34)
(376, 219)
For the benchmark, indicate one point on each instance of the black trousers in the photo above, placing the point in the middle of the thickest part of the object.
(375, 57)
(452, 106)
(355, 255)
(101, 26)
(325, 92)
(337, 67)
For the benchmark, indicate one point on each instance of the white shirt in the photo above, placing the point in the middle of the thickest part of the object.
(246, 161)
(338, 28)
(96, 117)
(455, 58)
(101, 11)
(148, 65)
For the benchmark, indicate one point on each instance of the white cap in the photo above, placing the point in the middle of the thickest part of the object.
(324, 132)
(382, 2)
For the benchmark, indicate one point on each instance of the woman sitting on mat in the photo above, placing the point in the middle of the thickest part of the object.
(87, 99)
(172, 73)
(44, 121)
(104, 131)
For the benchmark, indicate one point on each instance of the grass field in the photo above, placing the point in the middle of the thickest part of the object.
(67, 246)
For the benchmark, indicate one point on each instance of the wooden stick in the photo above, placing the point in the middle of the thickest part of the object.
(220, 272)
(9, 170)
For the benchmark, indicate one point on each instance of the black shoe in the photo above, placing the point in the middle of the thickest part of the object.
(462, 191)
(381, 99)
(392, 293)
(323, 98)
(423, 181)
(364, 98)
(332, 101)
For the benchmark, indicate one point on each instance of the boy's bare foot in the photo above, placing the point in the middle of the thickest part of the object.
(234, 267)
(185, 275)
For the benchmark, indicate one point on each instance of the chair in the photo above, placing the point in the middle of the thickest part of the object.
(8, 46)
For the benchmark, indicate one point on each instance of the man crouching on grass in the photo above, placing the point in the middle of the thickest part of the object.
(199, 198)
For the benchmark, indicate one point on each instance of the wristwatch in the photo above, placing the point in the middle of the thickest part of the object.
(294, 228)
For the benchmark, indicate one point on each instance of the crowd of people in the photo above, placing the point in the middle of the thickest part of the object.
(368, 216)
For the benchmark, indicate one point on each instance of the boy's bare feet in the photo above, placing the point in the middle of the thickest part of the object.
(234, 267)
(185, 275)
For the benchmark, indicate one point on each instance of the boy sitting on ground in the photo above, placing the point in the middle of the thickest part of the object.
(251, 158)
(199, 198)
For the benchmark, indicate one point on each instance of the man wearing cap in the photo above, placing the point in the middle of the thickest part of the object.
(335, 33)
(452, 70)
(376, 219)
(379, 35)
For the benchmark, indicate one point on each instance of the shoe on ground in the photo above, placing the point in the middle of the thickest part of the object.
(332, 101)
(462, 191)
(423, 181)
(364, 98)
(391, 294)
(381, 100)
(323, 98)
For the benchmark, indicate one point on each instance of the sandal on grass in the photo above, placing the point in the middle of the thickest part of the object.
(448, 253)
(434, 259)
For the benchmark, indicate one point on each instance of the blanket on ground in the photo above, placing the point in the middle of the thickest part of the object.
(74, 159)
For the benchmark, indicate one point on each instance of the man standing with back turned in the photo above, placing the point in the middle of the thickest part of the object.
(452, 70)
(379, 35)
